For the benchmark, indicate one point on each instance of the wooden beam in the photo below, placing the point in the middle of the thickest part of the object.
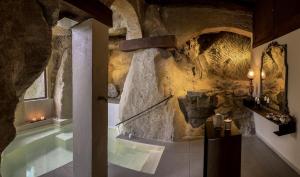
(168, 41)
(95, 8)
(69, 11)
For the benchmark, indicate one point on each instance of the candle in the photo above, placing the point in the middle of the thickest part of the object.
(218, 120)
(33, 119)
(227, 124)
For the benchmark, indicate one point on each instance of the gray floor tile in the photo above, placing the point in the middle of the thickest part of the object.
(196, 146)
(173, 165)
(116, 171)
(196, 165)
(179, 147)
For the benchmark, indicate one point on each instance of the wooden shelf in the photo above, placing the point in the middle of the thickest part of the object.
(283, 129)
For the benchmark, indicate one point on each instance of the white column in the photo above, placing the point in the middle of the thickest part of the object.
(90, 61)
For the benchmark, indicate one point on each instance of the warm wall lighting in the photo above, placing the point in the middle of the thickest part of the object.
(37, 119)
(250, 74)
(263, 75)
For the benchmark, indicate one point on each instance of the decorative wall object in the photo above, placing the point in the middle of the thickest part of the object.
(275, 71)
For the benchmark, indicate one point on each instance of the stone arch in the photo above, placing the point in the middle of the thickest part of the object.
(227, 29)
(219, 29)
(124, 15)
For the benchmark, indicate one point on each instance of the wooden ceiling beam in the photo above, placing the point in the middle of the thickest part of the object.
(93, 8)
(168, 41)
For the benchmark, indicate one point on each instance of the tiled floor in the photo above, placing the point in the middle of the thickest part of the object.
(185, 159)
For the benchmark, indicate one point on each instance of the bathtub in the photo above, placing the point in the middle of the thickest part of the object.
(40, 150)
(37, 151)
(133, 155)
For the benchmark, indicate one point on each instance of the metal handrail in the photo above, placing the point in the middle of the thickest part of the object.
(167, 98)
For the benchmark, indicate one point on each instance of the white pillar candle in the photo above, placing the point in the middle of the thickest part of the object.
(227, 124)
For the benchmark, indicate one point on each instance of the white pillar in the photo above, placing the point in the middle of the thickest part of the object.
(90, 61)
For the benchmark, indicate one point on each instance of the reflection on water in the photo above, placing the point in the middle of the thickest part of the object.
(133, 155)
(30, 172)
(38, 151)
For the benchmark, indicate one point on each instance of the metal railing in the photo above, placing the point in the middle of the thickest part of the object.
(151, 107)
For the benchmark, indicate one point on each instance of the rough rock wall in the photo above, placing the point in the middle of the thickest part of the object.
(124, 15)
(63, 87)
(60, 70)
(141, 91)
(126, 25)
(184, 22)
(194, 66)
(61, 42)
(118, 66)
(215, 64)
(153, 24)
(25, 48)
(187, 22)
(137, 5)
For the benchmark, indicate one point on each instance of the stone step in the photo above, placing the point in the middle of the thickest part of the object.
(65, 140)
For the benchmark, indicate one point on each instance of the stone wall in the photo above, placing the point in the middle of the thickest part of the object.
(124, 15)
(141, 91)
(59, 83)
(206, 60)
(118, 66)
(215, 64)
(25, 49)
(60, 72)
(126, 25)
(186, 21)
(142, 20)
